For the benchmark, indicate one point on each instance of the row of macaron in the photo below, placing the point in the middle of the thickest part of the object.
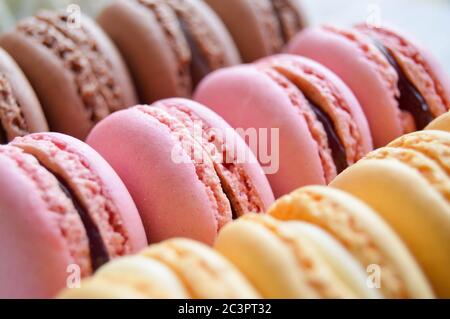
(381, 230)
(140, 50)
(153, 49)
(65, 211)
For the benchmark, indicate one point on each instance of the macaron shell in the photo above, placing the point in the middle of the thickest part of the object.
(149, 276)
(140, 150)
(245, 98)
(205, 273)
(417, 212)
(32, 245)
(442, 123)
(362, 76)
(272, 257)
(117, 64)
(364, 233)
(147, 53)
(260, 35)
(24, 94)
(236, 143)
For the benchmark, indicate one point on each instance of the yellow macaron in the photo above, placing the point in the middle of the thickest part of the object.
(362, 232)
(177, 268)
(408, 184)
(292, 259)
(442, 123)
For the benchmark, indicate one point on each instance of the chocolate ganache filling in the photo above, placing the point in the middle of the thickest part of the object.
(334, 142)
(199, 66)
(288, 19)
(410, 99)
(98, 252)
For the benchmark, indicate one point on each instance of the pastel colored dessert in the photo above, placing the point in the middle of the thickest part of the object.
(408, 184)
(321, 126)
(410, 87)
(62, 208)
(177, 268)
(20, 111)
(292, 259)
(169, 45)
(76, 72)
(442, 123)
(269, 24)
(187, 170)
(362, 232)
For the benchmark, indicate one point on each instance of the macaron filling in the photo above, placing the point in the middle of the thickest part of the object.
(409, 98)
(236, 183)
(12, 121)
(97, 249)
(335, 144)
(288, 18)
(77, 179)
(79, 53)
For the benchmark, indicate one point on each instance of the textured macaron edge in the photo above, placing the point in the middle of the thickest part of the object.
(362, 232)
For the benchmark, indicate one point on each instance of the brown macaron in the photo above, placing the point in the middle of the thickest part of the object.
(260, 27)
(75, 70)
(169, 45)
(20, 111)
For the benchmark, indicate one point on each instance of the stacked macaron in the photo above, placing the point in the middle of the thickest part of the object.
(408, 184)
(317, 242)
(177, 268)
(187, 170)
(320, 126)
(20, 111)
(76, 72)
(409, 85)
(62, 208)
(269, 24)
(169, 45)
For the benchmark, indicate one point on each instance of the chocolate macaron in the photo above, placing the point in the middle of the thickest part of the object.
(20, 111)
(260, 27)
(169, 45)
(76, 72)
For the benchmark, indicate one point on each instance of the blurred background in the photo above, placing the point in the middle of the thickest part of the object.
(427, 20)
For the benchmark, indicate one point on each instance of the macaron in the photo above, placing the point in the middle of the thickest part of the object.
(132, 277)
(20, 111)
(169, 45)
(63, 212)
(76, 72)
(362, 232)
(442, 123)
(187, 170)
(177, 268)
(316, 125)
(408, 184)
(410, 86)
(292, 259)
(268, 26)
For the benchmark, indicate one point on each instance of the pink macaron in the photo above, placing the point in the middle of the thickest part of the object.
(63, 213)
(321, 126)
(399, 84)
(187, 170)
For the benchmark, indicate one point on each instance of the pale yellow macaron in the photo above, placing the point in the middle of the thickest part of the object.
(205, 273)
(292, 259)
(362, 232)
(131, 277)
(408, 184)
(442, 123)
(177, 268)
